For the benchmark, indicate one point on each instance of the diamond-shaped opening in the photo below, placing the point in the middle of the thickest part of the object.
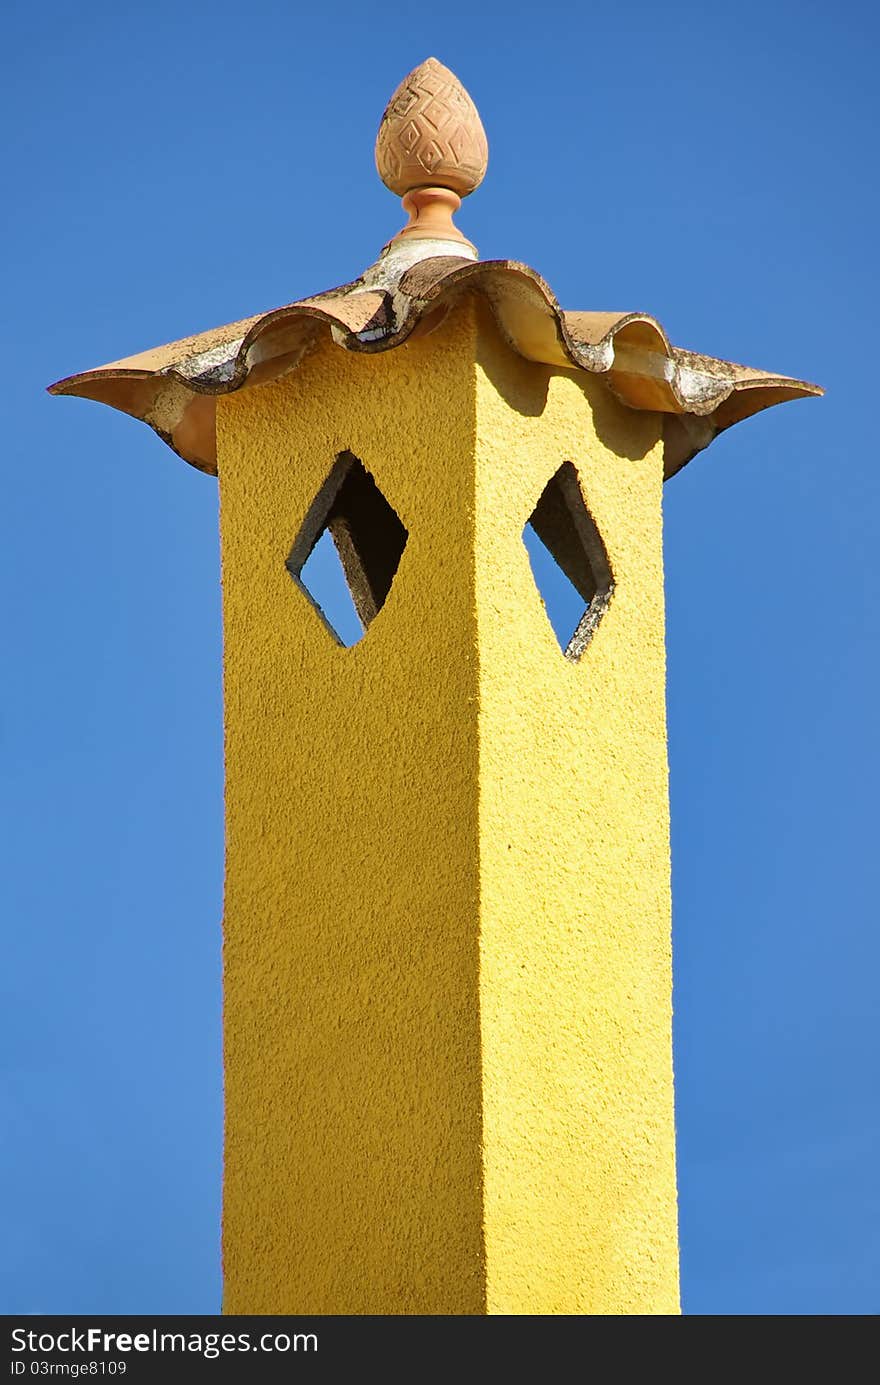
(348, 550)
(569, 562)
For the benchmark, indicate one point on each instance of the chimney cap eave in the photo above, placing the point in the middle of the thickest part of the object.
(173, 387)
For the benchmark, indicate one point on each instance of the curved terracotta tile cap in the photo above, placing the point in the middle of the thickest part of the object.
(423, 272)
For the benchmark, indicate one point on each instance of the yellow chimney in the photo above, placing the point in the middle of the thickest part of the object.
(447, 968)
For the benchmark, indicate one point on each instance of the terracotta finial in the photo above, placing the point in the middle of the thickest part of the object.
(431, 150)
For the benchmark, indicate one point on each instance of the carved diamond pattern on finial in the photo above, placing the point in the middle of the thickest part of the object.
(431, 127)
(430, 156)
(404, 103)
(458, 144)
(437, 115)
(409, 137)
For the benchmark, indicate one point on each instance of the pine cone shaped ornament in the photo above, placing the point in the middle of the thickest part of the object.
(431, 134)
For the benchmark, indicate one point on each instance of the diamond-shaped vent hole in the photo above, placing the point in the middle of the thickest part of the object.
(348, 550)
(569, 562)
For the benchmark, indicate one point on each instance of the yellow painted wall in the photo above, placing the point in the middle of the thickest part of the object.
(447, 984)
(575, 981)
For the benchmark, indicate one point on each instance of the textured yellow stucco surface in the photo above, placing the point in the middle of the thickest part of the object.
(575, 960)
(447, 966)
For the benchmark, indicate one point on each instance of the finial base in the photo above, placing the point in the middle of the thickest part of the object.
(430, 216)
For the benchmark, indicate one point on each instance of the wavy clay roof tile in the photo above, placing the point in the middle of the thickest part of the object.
(432, 150)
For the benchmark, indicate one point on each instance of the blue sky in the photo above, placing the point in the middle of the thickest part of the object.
(176, 167)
